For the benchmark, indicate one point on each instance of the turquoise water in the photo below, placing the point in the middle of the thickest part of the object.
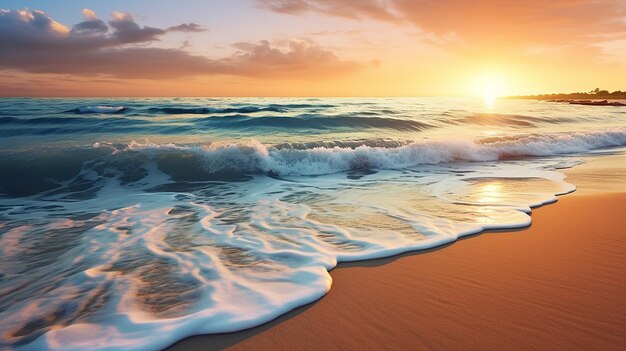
(133, 223)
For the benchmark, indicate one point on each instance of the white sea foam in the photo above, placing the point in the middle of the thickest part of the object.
(163, 266)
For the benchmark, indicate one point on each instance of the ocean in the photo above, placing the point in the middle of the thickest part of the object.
(131, 223)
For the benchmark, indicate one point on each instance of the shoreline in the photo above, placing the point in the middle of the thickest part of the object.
(590, 101)
(594, 102)
(430, 299)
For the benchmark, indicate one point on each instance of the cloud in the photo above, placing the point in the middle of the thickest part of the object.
(131, 62)
(29, 25)
(377, 9)
(481, 23)
(89, 14)
(302, 56)
(187, 28)
(33, 42)
(91, 25)
(128, 31)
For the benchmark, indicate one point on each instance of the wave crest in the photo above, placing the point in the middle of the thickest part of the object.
(309, 121)
(98, 109)
(284, 160)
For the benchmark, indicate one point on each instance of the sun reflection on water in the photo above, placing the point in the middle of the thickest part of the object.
(489, 192)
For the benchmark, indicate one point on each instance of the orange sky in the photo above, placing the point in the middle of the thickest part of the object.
(312, 48)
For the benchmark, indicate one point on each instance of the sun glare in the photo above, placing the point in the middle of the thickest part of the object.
(490, 89)
(490, 94)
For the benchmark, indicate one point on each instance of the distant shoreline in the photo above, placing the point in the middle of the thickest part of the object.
(604, 102)
(593, 98)
(586, 102)
(617, 95)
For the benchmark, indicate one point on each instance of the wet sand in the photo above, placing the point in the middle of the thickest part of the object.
(557, 285)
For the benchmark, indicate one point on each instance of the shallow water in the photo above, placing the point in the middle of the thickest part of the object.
(132, 223)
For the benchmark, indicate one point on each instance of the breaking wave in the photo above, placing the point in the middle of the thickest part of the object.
(30, 173)
(326, 158)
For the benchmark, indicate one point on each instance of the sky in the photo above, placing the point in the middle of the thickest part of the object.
(310, 47)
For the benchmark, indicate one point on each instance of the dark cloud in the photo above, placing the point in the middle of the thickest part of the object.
(90, 27)
(25, 28)
(31, 41)
(34, 30)
(127, 31)
(131, 62)
(187, 28)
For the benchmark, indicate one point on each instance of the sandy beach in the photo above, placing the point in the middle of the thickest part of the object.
(557, 285)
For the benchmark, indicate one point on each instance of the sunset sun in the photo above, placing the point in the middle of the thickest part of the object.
(489, 88)
(490, 94)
